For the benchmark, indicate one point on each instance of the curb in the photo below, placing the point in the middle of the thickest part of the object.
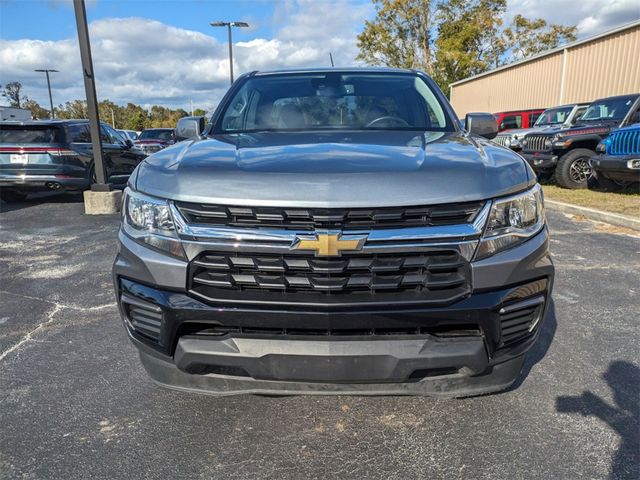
(597, 215)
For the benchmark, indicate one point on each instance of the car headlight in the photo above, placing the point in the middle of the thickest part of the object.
(148, 220)
(507, 142)
(511, 221)
(547, 143)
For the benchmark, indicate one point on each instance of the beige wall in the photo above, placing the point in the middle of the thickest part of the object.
(607, 66)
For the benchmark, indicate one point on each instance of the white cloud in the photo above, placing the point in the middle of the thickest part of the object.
(590, 16)
(148, 62)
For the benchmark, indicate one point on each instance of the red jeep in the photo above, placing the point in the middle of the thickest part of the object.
(517, 118)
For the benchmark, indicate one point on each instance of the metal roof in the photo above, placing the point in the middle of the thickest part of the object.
(566, 46)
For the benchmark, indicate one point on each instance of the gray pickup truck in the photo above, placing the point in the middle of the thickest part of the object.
(334, 231)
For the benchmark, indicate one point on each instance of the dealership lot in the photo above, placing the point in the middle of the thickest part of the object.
(74, 402)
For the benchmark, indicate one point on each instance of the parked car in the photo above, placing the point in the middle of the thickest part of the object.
(566, 152)
(42, 155)
(618, 161)
(130, 135)
(152, 140)
(563, 116)
(334, 231)
(517, 118)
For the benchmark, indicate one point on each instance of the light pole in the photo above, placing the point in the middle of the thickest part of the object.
(229, 25)
(46, 71)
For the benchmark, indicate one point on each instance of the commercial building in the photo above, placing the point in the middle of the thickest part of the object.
(600, 66)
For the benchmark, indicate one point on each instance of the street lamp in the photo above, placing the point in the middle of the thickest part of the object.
(229, 25)
(46, 71)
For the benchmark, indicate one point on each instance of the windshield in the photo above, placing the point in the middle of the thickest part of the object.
(609, 109)
(321, 101)
(158, 134)
(553, 116)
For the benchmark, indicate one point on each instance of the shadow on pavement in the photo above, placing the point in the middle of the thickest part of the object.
(540, 348)
(40, 198)
(624, 380)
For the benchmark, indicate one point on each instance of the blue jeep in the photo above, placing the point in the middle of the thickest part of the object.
(618, 162)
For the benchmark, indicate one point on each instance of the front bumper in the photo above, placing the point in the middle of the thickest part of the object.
(449, 350)
(541, 161)
(617, 168)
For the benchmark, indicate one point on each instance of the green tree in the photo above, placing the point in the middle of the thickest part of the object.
(12, 92)
(399, 36)
(37, 111)
(468, 39)
(524, 38)
(73, 109)
(453, 39)
(199, 112)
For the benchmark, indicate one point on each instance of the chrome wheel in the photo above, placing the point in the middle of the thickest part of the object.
(580, 170)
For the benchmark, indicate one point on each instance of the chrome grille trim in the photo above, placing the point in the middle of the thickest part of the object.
(535, 143)
(462, 237)
(502, 140)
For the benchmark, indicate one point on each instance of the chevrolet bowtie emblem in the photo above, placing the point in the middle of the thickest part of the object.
(329, 244)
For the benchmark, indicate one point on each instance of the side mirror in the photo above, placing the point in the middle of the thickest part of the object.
(128, 142)
(482, 124)
(189, 127)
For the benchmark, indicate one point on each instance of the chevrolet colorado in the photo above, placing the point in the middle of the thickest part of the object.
(334, 231)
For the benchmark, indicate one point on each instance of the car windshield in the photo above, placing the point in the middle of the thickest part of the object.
(30, 134)
(157, 134)
(329, 101)
(553, 116)
(608, 109)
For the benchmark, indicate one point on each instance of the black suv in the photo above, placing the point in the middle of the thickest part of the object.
(567, 152)
(57, 155)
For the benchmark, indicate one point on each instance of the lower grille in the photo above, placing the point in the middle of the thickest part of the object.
(436, 276)
(441, 331)
(145, 318)
(536, 143)
(518, 320)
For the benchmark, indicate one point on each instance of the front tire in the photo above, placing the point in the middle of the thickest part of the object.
(574, 170)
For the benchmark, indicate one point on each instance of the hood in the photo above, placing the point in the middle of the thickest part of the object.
(334, 169)
(579, 129)
(516, 132)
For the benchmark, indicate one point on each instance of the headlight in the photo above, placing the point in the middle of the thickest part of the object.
(512, 220)
(547, 143)
(148, 220)
(507, 143)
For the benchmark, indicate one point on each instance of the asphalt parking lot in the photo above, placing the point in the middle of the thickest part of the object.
(75, 403)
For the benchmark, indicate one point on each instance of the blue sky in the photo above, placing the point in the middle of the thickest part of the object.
(54, 19)
(164, 52)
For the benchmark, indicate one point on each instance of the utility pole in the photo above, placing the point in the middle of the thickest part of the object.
(101, 184)
(229, 25)
(46, 71)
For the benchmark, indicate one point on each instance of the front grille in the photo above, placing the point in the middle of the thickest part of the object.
(443, 331)
(518, 320)
(145, 318)
(536, 143)
(436, 276)
(335, 218)
(502, 140)
(624, 143)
